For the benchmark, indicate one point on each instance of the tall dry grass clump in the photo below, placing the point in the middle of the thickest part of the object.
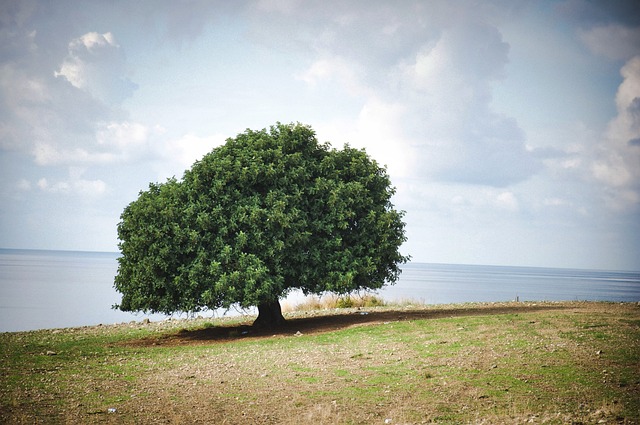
(331, 301)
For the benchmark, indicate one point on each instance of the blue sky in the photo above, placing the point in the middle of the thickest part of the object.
(511, 129)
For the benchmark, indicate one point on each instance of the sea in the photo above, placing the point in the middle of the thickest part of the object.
(59, 289)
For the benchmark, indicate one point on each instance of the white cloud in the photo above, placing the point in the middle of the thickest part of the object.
(459, 202)
(129, 141)
(507, 201)
(335, 68)
(456, 133)
(90, 187)
(183, 152)
(433, 105)
(458, 69)
(49, 154)
(617, 158)
(122, 134)
(43, 184)
(629, 93)
(74, 185)
(612, 170)
(54, 118)
(96, 64)
(378, 129)
(113, 142)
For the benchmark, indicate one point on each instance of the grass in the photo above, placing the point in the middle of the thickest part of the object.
(331, 301)
(555, 363)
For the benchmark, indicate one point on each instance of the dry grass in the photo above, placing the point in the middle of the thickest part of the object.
(331, 301)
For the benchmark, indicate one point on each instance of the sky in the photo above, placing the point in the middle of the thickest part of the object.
(510, 129)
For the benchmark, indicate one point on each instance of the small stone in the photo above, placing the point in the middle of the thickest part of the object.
(494, 366)
(298, 333)
(51, 353)
(599, 352)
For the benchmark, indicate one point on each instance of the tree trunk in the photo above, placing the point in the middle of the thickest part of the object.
(269, 315)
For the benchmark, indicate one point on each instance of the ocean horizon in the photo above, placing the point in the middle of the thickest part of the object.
(56, 289)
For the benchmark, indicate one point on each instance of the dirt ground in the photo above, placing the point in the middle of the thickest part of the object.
(237, 374)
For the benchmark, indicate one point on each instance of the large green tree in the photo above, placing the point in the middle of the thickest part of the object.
(268, 212)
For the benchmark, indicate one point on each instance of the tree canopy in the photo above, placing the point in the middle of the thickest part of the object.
(267, 212)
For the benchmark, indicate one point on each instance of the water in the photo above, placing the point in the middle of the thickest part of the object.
(455, 283)
(51, 289)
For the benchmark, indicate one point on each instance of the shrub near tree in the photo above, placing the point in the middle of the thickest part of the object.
(268, 212)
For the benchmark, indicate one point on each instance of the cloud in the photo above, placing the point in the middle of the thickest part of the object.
(457, 134)
(123, 134)
(459, 203)
(616, 163)
(468, 54)
(73, 186)
(60, 95)
(49, 154)
(345, 73)
(179, 154)
(429, 83)
(377, 128)
(507, 201)
(613, 41)
(54, 118)
(95, 64)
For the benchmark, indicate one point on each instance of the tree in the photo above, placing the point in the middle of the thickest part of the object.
(266, 213)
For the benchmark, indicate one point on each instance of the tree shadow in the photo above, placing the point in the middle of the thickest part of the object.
(316, 324)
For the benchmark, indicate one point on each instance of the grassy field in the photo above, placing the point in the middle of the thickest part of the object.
(477, 363)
